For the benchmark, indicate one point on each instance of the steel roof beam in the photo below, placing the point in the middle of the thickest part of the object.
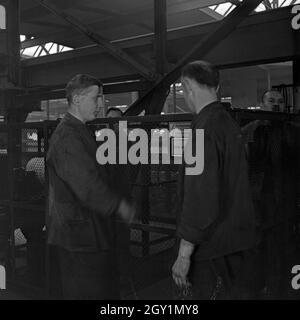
(155, 98)
(96, 38)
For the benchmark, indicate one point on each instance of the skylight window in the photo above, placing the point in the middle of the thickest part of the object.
(42, 49)
(260, 8)
(284, 3)
(225, 8)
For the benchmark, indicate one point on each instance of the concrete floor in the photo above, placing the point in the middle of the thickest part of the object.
(150, 278)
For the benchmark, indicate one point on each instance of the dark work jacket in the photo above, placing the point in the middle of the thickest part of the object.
(81, 202)
(217, 212)
(274, 155)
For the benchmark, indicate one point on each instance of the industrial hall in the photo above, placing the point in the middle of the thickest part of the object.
(149, 150)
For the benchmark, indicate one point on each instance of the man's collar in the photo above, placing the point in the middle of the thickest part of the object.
(71, 118)
(208, 106)
(205, 110)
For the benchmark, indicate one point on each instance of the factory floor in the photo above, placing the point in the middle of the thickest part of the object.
(151, 280)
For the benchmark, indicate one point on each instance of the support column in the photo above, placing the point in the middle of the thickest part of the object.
(174, 98)
(9, 59)
(296, 83)
(10, 44)
(160, 29)
(9, 87)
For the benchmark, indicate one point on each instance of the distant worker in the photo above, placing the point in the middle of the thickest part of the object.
(272, 156)
(272, 100)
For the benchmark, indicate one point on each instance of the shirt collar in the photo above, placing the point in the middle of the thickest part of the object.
(205, 110)
(70, 118)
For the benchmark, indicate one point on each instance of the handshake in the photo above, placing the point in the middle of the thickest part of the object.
(126, 211)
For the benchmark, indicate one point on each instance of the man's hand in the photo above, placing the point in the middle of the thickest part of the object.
(126, 211)
(180, 272)
(181, 266)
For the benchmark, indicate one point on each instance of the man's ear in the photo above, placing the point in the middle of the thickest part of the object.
(76, 99)
(187, 83)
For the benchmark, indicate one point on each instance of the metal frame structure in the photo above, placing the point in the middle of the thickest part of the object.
(125, 64)
(235, 49)
(96, 38)
(153, 100)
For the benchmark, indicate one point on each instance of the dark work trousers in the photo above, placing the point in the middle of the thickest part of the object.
(235, 276)
(89, 276)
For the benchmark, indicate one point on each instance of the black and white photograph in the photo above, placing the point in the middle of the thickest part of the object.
(150, 153)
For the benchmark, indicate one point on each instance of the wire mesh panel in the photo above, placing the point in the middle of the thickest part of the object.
(28, 196)
(153, 189)
(25, 190)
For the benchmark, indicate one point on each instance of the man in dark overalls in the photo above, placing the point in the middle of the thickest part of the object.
(216, 224)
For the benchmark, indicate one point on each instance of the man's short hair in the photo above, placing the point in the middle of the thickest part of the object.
(204, 73)
(114, 109)
(79, 83)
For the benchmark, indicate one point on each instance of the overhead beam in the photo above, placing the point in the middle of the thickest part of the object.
(173, 8)
(260, 20)
(267, 4)
(121, 18)
(236, 2)
(46, 24)
(253, 42)
(182, 6)
(160, 42)
(161, 88)
(96, 38)
(210, 12)
(40, 12)
(44, 48)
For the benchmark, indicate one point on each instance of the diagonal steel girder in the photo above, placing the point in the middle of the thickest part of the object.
(153, 101)
(267, 4)
(100, 41)
(173, 8)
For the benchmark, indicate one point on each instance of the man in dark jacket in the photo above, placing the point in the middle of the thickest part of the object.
(82, 203)
(216, 225)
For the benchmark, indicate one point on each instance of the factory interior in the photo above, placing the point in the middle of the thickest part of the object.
(137, 49)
